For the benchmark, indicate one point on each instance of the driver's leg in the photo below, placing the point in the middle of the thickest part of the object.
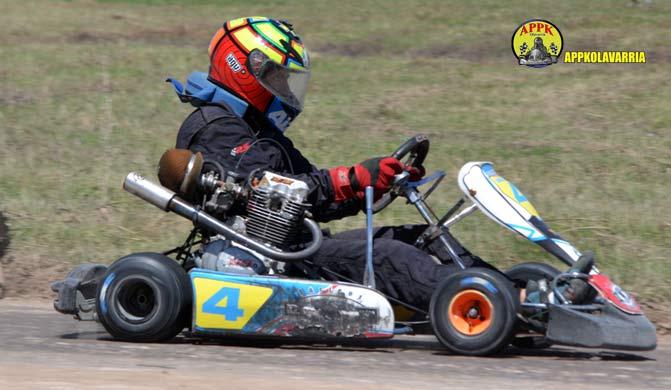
(404, 233)
(409, 233)
(401, 270)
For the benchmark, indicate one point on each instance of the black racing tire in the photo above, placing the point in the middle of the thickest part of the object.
(494, 299)
(144, 297)
(521, 274)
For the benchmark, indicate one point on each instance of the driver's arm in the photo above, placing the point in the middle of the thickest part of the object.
(326, 206)
(229, 141)
(335, 193)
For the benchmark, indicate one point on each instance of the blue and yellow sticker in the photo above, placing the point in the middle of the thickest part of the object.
(226, 305)
(509, 190)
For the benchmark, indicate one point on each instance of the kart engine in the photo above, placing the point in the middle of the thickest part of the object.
(276, 208)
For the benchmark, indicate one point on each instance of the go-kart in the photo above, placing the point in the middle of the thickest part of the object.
(474, 311)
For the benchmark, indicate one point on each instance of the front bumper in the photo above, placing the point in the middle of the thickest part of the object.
(609, 328)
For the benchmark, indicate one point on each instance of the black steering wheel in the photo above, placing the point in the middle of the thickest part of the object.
(416, 149)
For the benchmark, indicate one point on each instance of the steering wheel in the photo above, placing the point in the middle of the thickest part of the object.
(416, 149)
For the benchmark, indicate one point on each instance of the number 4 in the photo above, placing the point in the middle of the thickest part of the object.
(230, 310)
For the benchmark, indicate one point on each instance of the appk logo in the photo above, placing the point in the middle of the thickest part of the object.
(537, 43)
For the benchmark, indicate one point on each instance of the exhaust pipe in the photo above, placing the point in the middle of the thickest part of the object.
(167, 200)
(150, 192)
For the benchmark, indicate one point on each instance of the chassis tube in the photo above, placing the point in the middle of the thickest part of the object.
(416, 200)
(369, 273)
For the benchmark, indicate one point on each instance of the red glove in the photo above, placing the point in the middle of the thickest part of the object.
(416, 173)
(351, 182)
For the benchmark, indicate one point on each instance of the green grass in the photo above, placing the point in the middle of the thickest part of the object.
(83, 103)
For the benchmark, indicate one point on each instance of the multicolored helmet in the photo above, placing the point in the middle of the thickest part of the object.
(264, 62)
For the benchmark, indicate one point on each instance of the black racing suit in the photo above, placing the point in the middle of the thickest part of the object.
(243, 145)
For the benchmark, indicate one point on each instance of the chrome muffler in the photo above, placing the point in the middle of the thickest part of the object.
(148, 191)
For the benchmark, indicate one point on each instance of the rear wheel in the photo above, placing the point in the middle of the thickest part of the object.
(144, 297)
(521, 274)
(473, 312)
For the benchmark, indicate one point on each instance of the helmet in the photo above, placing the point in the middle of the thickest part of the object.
(262, 61)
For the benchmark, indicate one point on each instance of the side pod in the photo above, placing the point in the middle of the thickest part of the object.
(270, 306)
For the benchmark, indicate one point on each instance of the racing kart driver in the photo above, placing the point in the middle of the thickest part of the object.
(255, 87)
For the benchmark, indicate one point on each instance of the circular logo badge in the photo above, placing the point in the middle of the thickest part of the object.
(537, 43)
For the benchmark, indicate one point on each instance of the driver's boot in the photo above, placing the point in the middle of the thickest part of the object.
(578, 290)
(584, 264)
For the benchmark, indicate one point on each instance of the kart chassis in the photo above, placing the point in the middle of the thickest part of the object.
(612, 320)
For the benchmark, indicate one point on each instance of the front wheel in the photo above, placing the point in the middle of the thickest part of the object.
(522, 273)
(144, 297)
(474, 311)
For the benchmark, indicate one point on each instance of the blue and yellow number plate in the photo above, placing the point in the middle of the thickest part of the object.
(225, 305)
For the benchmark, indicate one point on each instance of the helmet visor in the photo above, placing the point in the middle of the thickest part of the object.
(290, 85)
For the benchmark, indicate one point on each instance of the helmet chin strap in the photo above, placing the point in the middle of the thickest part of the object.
(200, 91)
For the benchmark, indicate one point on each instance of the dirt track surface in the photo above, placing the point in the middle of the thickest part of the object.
(43, 349)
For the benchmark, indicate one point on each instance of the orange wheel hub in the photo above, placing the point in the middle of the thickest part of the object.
(470, 312)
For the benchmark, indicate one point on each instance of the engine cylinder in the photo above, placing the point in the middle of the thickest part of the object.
(273, 217)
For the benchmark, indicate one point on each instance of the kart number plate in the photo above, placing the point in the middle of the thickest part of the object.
(226, 305)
